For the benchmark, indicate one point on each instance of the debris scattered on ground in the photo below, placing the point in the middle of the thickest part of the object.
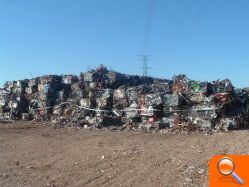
(106, 99)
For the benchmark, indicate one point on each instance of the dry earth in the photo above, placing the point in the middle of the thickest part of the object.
(39, 155)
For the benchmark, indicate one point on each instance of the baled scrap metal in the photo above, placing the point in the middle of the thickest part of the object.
(8, 85)
(224, 86)
(87, 106)
(16, 86)
(120, 100)
(222, 98)
(12, 87)
(222, 91)
(179, 88)
(49, 89)
(3, 100)
(200, 87)
(181, 78)
(92, 94)
(50, 79)
(61, 96)
(89, 89)
(111, 79)
(22, 83)
(14, 106)
(41, 87)
(48, 98)
(196, 98)
(4, 109)
(153, 99)
(86, 102)
(241, 96)
(32, 86)
(134, 80)
(77, 92)
(33, 82)
(134, 95)
(104, 99)
(246, 91)
(148, 80)
(74, 97)
(153, 105)
(35, 105)
(115, 80)
(180, 84)
(3, 97)
(171, 103)
(59, 102)
(97, 76)
(236, 105)
(171, 100)
(49, 85)
(245, 101)
(149, 111)
(45, 88)
(78, 86)
(162, 88)
(89, 77)
(15, 110)
(104, 93)
(47, 95)
(198, 91)
(69, 79)
(16, 102)
(132, 111)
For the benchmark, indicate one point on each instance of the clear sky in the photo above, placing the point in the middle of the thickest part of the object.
(204, 39)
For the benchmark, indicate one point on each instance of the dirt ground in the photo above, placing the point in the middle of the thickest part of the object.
(39, 155)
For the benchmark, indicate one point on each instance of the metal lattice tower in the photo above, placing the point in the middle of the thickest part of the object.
(145, 59)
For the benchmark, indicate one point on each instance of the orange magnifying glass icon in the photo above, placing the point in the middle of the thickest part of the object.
(226, 167)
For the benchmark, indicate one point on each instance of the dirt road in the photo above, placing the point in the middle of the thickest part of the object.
(37, 155)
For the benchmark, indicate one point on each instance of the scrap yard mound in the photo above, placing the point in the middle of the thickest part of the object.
(102, 98)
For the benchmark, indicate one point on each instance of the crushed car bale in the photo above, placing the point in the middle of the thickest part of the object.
(107, 99)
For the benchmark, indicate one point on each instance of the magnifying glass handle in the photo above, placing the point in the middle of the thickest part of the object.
(240, 181)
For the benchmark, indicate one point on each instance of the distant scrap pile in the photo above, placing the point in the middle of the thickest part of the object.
(101, 98)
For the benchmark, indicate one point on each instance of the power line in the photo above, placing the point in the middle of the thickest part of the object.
(173, 19)
(180, 24)
(148, 23)
(184, 36)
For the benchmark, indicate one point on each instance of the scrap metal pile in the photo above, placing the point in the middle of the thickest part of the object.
(106, 99)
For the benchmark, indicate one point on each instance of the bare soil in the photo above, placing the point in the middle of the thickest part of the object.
(39, 155)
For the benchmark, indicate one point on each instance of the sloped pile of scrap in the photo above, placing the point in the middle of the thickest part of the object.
(106, 99)
(4, 107)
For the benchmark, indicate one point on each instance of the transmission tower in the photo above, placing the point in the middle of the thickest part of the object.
(145, 59)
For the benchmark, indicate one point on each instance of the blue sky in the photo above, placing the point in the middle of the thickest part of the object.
(204, 39)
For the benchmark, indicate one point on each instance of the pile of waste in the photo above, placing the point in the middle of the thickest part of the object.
(107, 99)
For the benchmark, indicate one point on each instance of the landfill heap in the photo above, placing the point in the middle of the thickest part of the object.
(106, 99)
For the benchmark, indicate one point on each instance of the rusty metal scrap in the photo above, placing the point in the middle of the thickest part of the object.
(102, 98)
